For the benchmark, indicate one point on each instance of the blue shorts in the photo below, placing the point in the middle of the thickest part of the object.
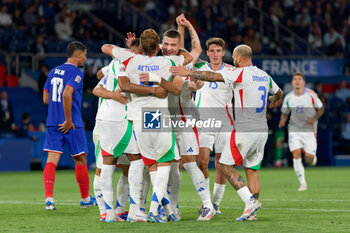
(75, 139)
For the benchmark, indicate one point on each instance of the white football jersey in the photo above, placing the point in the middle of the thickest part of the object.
(159, 65)
(214, 97)
(301, 108)
(251, 88)
(109, 109)
(122, 54)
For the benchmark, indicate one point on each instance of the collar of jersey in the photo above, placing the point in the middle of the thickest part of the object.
(223, 65)
(301, 93)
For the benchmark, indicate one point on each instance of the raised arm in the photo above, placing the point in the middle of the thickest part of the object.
(201, 75)
(196, 48)
(181, 30)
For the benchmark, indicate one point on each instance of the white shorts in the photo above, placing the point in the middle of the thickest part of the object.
(245, 148)
(187, 143)
(156, 146)
(305, 140)
(216, 140)
(96, 139)
(116, 138)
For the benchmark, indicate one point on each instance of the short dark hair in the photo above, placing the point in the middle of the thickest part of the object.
(74, 46)
(300, 74)
(172, 33)
(135, 43)
(215, 40)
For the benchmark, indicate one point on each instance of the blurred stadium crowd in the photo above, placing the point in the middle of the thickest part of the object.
(44, 26)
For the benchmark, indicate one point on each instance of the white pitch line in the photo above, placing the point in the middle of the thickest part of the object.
(286, 200)
(182, 206)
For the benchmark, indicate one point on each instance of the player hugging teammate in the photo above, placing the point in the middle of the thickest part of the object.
(152, 79)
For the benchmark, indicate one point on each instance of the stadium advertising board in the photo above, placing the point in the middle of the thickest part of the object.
(310, 67)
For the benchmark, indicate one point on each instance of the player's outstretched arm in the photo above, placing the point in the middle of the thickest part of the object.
(126, 85)
(201, 75)
(67, 108)
(102, 92)
(107, 49)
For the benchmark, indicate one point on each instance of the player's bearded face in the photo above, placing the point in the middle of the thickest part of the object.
(170, 46)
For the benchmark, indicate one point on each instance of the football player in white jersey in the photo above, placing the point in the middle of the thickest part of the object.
(157, 148)
(187, 141)
(214, 97)
(305, 108)
(246, 143)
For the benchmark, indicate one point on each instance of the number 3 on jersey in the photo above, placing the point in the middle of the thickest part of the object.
(263, 98)
(57, 89)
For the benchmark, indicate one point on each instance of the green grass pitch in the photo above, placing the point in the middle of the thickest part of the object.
(325, 207)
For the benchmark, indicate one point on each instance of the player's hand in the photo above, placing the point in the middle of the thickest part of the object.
(185, 22)
(273, 103)
(144, 77)
(161, 92)
(192, 86)
(179, 70)
(130, 37)
(311, 121)
(178, 19)
(117, 96)
(65, 126)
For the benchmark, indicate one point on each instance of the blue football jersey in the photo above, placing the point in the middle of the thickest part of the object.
(58, 78)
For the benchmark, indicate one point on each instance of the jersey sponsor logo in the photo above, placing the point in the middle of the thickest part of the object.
(148, 68)
(152, 119)
(260, 79)
(59, 72)
(77, 79)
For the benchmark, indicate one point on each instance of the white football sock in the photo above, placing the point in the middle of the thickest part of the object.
(174, 184)
(99, 195)
(207, 183)
(135, 185)
(218, 193)
(245, 194)
(199, 183)
(299, 170)
(145, 186)
(122, 194)
(106, 182)
(159, 188)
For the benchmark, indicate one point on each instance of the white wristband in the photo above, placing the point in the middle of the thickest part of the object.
(154, 78)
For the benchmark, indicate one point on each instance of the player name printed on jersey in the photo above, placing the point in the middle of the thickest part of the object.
(252, 86)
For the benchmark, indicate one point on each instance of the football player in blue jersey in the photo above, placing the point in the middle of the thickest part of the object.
(63, 93)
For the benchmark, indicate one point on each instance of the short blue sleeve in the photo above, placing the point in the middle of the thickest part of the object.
(75, 79)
